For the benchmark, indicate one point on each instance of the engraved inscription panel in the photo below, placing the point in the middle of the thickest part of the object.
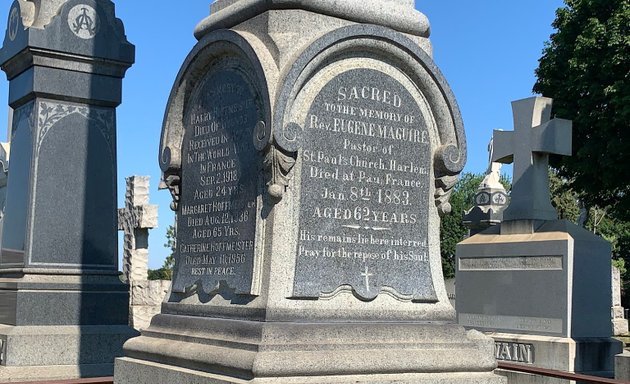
(365, 174)
(511, 263)
(514, 352)
(219, 188)
(514, 323)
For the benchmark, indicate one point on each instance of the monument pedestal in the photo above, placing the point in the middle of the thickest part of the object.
(52, 325)
(186, 350)
(544, 297)
(589, 356)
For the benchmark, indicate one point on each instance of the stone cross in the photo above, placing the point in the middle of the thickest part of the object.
(535, 136)
(135, 220)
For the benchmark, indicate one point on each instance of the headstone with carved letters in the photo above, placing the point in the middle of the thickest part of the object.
(310, 147)
(64, 308)
(539, 286)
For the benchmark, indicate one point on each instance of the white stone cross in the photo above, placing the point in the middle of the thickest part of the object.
(367, 275)
(535, 136)
(135, 220)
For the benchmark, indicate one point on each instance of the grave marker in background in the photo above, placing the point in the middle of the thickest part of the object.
(619, 322)
(539, 286)
(135, 220)
(64, 308)
(490, 199)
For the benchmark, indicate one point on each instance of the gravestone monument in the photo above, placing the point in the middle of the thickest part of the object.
(64, 308)
(539, 286)
(135, 220)
(310, 148)
(490, 199)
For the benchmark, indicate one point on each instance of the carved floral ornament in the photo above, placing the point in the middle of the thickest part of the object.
(278, 137)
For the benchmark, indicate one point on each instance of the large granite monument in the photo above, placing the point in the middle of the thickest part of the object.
(539, 286)
(310, 147)
(63, 307)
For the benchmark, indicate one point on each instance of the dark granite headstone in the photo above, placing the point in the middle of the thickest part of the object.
(365, 191)
(59, 283)
(217, 217)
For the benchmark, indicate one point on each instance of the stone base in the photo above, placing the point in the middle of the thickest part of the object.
(622, 366)
(586, 356)
(146, 301)
(528, 378)
(186, 349)
(60, 352)
(137, 371)
(58, 372)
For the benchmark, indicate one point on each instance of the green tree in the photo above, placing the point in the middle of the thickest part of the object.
(595, 219)
(585, 68)
(564, 198)
(452, 229)
(166, 271)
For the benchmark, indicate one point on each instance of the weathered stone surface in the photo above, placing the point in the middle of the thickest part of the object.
(399, 15)
(365, 165)
(135, 220)
(216, 226)
(149, 292)
(622, 366)
(141, 315)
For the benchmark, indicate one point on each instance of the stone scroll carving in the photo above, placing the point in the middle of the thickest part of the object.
(226, 44)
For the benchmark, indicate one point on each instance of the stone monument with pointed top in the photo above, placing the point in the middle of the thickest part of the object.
(539, 286)
(490, 199)
(310, 147)
(64, 309)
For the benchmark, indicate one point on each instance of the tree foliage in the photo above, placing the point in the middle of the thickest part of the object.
(596, 219)
(585, 68)
(166, 271)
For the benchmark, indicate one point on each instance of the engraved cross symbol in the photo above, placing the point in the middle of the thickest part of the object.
(367, 276)
(84, 21)
(535, 136)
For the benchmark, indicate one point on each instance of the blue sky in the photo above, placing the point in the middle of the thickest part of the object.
(487, 50)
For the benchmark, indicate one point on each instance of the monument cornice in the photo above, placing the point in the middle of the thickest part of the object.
(398, 15)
